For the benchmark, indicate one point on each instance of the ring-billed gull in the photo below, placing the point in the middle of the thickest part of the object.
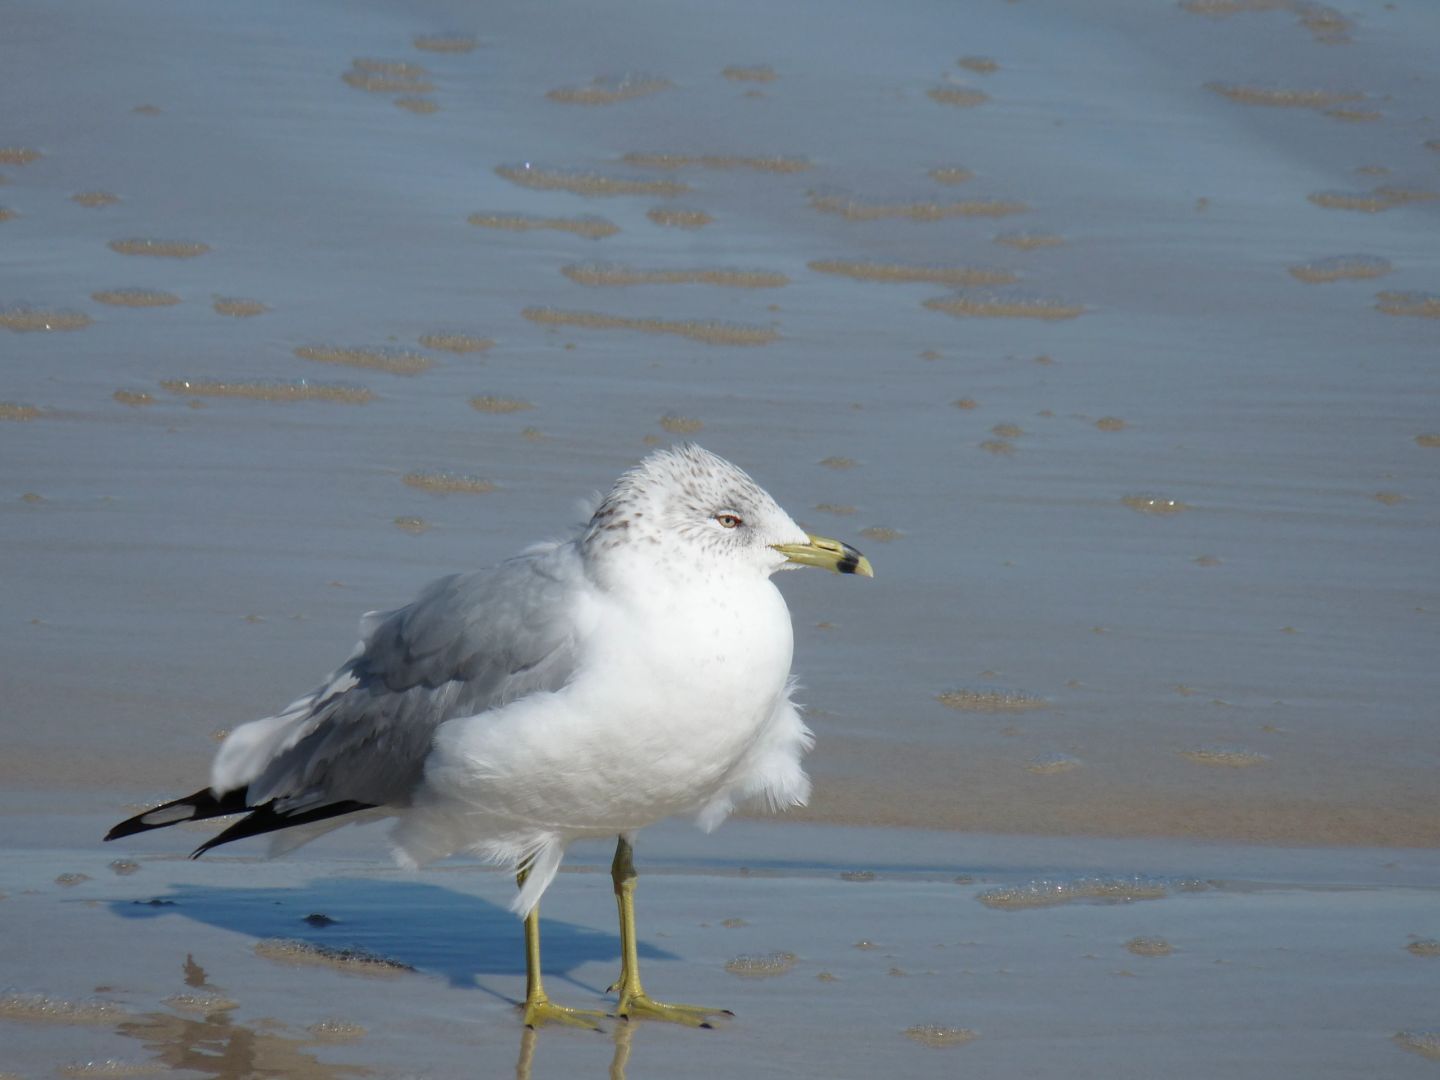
(583, 688)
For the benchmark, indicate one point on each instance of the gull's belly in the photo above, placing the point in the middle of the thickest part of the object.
(653, 727)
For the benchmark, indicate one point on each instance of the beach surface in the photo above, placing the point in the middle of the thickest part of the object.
(1109, 335)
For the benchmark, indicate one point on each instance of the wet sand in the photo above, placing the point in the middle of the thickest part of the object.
(933, 955)
(1110, 337)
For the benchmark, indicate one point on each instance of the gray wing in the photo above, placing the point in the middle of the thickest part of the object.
(466, 644)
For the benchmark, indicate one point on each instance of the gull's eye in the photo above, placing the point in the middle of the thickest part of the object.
(729, 521)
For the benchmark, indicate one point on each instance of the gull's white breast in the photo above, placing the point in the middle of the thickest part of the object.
(673, 707)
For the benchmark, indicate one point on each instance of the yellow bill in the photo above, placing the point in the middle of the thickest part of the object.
(827, 554)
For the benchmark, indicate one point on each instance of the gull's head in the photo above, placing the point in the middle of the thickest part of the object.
(684, 506)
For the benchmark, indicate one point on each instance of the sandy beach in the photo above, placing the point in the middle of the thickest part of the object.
(1108, 335)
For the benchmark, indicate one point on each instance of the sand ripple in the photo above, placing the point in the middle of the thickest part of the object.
(166, 249)
(449, 483)
(981, 65)
(939, 275)
(612, 274)
(1281, 98)
(1029, 241)
(940, 1036)
(855, 210)
(28, 320)
(608, 91)
(38, 1008)
(960, 96)
(395, 361)
(1154, 504)
(1341, 267)
(587, 183)
(135, 298)
(1324, 23)
(1000, 307)
(387, 76)
(1047, 892)
(1149, 946)
(761, 73)
(950, 175)
(459, 344)
(712, 333)
(1419, 304)
(679, 219)
(445, 43)
(499, 405)
(990, 700)
(762, 967)
(264, 390)
(354, 960)
(718, 161)
(1370, 202)
(680, 425)
(1424, 1043)
(1224, 757)
(588, 225)
(238, 308)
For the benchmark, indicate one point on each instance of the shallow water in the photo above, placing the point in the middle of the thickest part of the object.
(193, 563)
(439, 274)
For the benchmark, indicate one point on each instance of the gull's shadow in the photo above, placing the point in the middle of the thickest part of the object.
(429, 928)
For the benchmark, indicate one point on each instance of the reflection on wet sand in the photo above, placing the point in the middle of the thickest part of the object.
(215, 1045)
(622, 1037)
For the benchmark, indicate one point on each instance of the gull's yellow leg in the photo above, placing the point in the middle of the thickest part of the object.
(539, 1009)
(634, 1002)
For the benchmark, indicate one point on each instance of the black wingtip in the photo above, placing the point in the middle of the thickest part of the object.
(264, 818)
(197, 807)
